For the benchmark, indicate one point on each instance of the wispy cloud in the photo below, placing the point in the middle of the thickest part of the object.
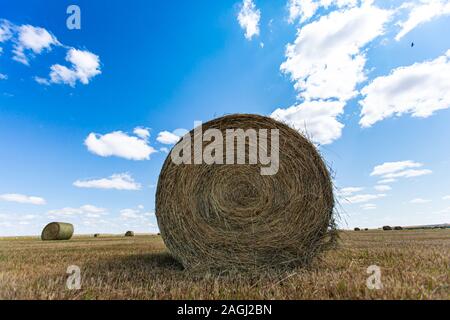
(421, 12)
(347, 191)
(121, 181)
(368, 206)
(88, 211)
(360, 198)
(20, 198)
(382, 187)
(399, 169)
(248, 18)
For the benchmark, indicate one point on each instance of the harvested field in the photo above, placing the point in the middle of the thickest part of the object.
(414, 265)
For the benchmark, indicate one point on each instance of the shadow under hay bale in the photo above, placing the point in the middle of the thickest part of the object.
(129, 234)
(387, 228)
(228, 216)
(57, 231)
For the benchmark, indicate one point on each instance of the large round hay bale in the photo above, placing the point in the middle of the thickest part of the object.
(57, 231)
(387, 228)
(357, 229)
(129, 234)
(230, 216)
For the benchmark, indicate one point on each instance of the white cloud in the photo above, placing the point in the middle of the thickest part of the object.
(85, 66)
(408, 173)
(347, 191)
(316, 119)
(446, 197)
(3, 76)
(88, 210)
(382, 188)
(391, 167)
(248, 18)
(419, 89)
(20, 198)
(400, 169)
(339, 37)
(368, 206)
(329, 78)
(119, 144)
(164, 149)
(360, 198)
(167, 137)
(34, 39)
(116, 181)
(419, 201)
(141, 132)
(421, 12)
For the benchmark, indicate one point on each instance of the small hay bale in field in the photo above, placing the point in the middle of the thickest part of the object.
(357, 229)
(230, 216)
(366, 229)
(57, 231)
(129, 234)
(398, 228)
(387, 228)
(96, 235)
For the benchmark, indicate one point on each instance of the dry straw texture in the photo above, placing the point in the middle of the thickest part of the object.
(232, 217)
(57, 231)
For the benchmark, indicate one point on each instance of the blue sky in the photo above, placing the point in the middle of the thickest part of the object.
(71, 100)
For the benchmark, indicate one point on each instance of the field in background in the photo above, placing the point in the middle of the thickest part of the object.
(414, 265)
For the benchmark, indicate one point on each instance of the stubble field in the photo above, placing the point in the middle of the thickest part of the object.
(414, 264)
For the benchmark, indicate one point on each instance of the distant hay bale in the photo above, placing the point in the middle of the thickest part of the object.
(57, 231)
(228, 216)
(357, 229)
(96, 235)
(366, 229)
(398, 228)
(387, 228)
(129, 234)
